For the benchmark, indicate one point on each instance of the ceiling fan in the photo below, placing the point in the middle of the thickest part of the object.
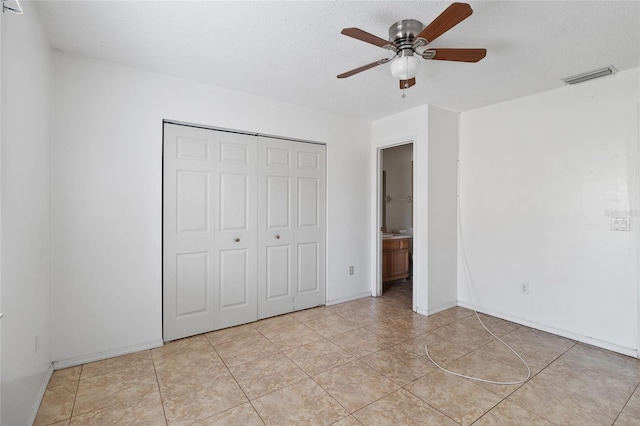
(408, 36)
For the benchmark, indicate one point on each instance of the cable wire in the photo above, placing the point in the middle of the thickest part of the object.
(469, 279)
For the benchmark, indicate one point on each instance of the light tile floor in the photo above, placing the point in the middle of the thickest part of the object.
(361, 362)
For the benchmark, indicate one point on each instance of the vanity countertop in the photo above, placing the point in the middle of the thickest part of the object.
(394, 236)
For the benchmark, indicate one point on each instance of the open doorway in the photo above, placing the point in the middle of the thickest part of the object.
(396, 222)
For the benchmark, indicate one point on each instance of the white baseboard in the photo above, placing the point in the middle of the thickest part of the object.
(72, 362)
(349, 298)
(38, 401)
(440, 308)
(564, 333)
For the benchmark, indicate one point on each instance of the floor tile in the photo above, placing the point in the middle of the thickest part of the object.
(398, 365)
(301, 403)
(98, 392)
(61, 423)
(331, 325)
(497, 326)
(116, 363)
(265, 375)
(355, 385)
(318, 356)
(182, 367)
(199, 397)
(395, 331)
(401, 408)
(420, 322)
(57, 404)
(278, 321)
(291, 335)
(539, 342)
(606, 390)
(243, 414)
(507, 413)
(605, 362)
(232, 333)
(535, 359)
(348, 421)
(360, 342)
(66, 376)
(311, 314)
(246, 349)
(181, 346)
(453, 314)
(145, 410)
(483, 365)
(624, 420)
(441, 350)
(560, 405)
(365, 316)
(459, 399)
(464, 335)
(633, 405)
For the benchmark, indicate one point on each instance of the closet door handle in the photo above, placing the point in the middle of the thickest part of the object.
(237, 240)
(277, 237)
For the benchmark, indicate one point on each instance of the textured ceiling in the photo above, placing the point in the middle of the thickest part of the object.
(292, 51)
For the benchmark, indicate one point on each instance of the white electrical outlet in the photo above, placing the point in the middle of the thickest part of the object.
(524, 288)
(620, 223)
(350, 270)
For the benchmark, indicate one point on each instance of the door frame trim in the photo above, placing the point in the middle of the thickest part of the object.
(376, 209)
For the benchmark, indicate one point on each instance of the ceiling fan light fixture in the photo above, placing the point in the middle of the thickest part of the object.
(405, 67)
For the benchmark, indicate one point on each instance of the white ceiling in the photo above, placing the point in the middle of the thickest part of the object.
(292, 51)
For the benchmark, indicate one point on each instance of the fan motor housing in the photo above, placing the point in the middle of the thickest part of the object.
(405, 31)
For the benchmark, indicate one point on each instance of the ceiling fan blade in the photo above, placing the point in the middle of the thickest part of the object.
(361, 35)
(405, 84)
(460, 55)
(448, 19)
(364, 68)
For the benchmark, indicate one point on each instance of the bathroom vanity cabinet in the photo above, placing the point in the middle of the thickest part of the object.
(395, 258)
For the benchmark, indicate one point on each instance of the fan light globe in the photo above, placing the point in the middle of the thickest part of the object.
(405, 67)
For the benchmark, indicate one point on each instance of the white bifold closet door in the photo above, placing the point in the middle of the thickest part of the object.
(210, 230)
(243, 229)
(291, 239)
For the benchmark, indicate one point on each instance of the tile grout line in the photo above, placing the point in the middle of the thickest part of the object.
(164, 412)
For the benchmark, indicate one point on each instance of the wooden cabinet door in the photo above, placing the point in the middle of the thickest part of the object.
(399, 262)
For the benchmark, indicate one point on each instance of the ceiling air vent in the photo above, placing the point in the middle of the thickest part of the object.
(589, 75)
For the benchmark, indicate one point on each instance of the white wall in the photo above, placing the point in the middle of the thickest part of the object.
(443, 208)
(396, 163)
(26, 209)
(107, 171)
(539, 177)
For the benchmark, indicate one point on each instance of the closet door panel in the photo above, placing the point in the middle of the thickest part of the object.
(308, 273)
(276, 207)
(188, 304)
(278, 280)
(310, 225)
(235, 281)
(292, 216)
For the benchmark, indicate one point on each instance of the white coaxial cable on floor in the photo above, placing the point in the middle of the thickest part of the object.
(469, 278)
